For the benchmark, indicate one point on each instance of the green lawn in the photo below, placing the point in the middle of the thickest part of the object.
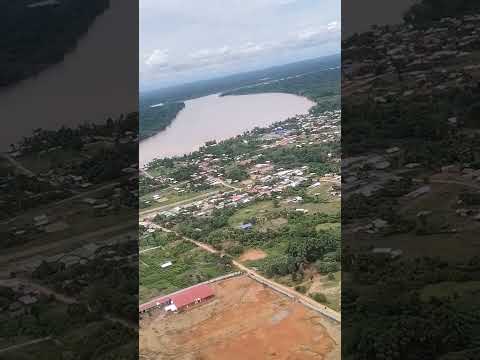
(259, 210)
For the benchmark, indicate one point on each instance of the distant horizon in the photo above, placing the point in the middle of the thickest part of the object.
(145, 91)
(191, 40)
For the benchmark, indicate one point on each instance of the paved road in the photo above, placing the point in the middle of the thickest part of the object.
(144, 172)
(15, 258)
(461, 183)
(149, 249)
(330, 313)
(236, 188)
(27, 343)
(17, 165)
(47, 207)
(150, 213)
(453, 182)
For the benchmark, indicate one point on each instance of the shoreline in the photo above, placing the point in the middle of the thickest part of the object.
(201, 104)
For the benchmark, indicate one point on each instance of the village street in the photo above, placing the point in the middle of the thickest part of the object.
(59, 203)
(150, 213)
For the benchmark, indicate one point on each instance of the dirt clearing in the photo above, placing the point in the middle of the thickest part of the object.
(245, 320)
(252, 254)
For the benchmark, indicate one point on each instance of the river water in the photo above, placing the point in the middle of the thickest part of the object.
(217, 118)
(96, 80)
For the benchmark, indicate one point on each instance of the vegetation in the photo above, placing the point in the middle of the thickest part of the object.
(156, 119)
(396, 312)
(190, 265)
(427, 11)
(322, 87)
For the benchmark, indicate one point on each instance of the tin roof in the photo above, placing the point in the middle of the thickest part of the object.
(181, 298)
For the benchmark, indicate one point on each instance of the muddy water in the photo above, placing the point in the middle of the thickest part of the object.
(216, 118)
(86, 86)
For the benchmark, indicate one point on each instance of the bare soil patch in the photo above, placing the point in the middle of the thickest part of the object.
(252, 254)
(245, 320)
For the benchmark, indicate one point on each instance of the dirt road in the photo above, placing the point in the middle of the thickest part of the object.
(330, 313)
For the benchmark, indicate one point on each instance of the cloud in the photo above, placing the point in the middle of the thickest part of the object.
(158, 60)
(186, 39)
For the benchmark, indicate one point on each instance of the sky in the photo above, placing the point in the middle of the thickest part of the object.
(188, 40)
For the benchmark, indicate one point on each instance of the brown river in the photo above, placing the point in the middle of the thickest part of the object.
(85, 87)
(218, 118)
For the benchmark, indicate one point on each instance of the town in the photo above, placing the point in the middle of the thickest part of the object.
(261, 210)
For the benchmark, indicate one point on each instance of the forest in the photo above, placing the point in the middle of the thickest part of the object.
(423, 308)
(158, 118)
(321, 86)
(427, 11)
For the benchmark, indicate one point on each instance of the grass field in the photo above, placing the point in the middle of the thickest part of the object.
(262, 210)
(191, 266)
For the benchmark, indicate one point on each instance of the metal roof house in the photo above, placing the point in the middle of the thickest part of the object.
(180, 300)
(246, 226)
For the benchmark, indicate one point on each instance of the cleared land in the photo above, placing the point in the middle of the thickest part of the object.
(245, 320)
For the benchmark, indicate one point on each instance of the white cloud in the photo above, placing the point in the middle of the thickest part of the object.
(159, 58)
(231, 35)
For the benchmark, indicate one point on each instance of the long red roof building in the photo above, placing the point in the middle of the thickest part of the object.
(181, 299)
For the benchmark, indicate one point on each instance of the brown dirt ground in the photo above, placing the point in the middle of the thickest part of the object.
(245, 320)
(252, 254)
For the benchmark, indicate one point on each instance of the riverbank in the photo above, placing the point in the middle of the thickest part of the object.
(218, 118)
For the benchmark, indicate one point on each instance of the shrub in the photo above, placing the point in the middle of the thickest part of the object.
(319, 297)
(301, 289)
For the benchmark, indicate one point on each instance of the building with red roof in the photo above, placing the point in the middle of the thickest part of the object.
(180, 300)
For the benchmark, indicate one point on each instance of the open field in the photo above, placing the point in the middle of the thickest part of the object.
(191, 265)
(245, 320)
(452, 236)
(270, 217)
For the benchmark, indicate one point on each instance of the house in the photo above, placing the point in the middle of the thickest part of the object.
(180, 300)
(246, 226)
(419, 192)
(40, 220)
(388, 251)
(165, 265)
